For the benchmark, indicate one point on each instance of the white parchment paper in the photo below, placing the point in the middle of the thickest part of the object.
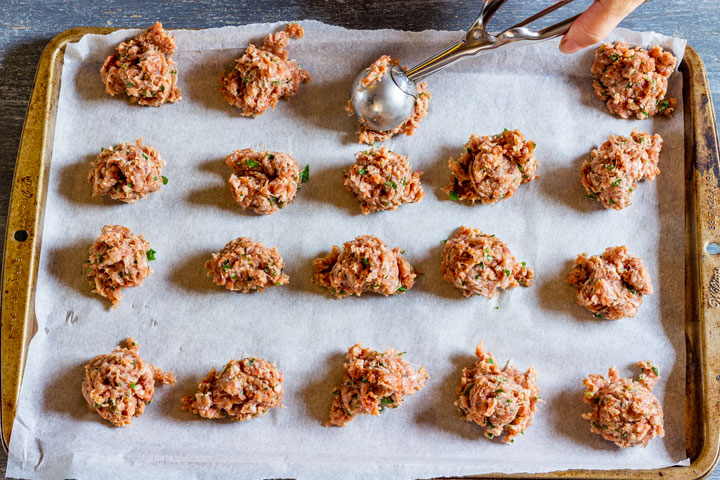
(187, 325)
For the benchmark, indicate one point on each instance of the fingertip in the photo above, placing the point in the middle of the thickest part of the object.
(568, 45)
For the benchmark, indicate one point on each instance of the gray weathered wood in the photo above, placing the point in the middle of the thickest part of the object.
(27, 26)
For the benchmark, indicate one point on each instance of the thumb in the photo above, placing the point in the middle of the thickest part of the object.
(596, 23)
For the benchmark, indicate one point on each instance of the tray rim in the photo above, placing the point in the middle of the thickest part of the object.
(26, 209)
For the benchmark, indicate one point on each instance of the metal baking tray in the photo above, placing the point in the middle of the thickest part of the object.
(702, 260)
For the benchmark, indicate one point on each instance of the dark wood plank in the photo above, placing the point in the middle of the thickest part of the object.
(28, 25)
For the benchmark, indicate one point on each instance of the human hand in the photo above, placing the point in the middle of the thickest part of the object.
(596, 23)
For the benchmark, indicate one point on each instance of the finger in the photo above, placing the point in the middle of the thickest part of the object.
(596, 23)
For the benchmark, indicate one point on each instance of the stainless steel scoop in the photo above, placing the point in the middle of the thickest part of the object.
(387, 103)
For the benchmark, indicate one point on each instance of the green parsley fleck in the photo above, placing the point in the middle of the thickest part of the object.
(164, 179)
(251, 163)
(402, 289)
(655, 371)
(453, 195)
(151, 254)
(391, 184)
(305, 174)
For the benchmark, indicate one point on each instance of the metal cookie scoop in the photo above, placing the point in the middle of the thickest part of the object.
(387, 103)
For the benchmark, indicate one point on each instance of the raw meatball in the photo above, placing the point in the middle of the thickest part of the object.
(614, 169)
(244, 390)
(492, 167)
(500, 401)
(263, 75)
(247, 266)
(382, 180)
(480, 264)
(625, 411)
(365, 264)
(377, 70)
(373, 381)
(127, 172)
(118, 259)
(143, 68)
(633, 81)
(120, 384)
(264, 181)
(612, 285)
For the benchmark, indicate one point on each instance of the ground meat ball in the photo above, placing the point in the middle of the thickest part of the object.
(118, 259)
(244, 390)
(264, 181)
(500, 401)
(127, 172)
(263, 75)
(633, 81)
(382, 180)
(480, 264)
(247, 266)
(377, 70)
(120, 384)
(373, 381)
(492, 167)
(614, 169)
(365, 264)
(143, 69)
(612, 285)
(625, 411)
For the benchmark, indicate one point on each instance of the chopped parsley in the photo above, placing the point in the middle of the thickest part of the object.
(402, 289)
(145, 156)
(132, 384)
(305, 174)
(655, 371)
(391, 184)
(362, 171)
(507, 272)
(453, 195)
(130, 84)
(490, 361)
(614, 57)
(251, 163)
(365, 262)
(387, 401)
(616, 182)
(151, 254)
(164, 179)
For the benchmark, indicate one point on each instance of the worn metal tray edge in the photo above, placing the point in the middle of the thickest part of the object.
(20, 263)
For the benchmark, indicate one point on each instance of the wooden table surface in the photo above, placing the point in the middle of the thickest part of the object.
(27, 26)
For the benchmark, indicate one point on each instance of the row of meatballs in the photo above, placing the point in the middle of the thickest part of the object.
(610, 285)
(119, 385)
(490, 169)
(632, 81)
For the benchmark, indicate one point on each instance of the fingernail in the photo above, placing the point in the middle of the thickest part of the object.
(568, 45)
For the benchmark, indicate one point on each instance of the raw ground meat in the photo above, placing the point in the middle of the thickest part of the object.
(244, 390)
(120, 384)
(491, 168)
(612, 285)
(377, 70)
(373, 381)
(118, 259)
(382, 180)
(264, 181)
(264, 75)
(481, 264)
(614, 170)
(127, 172)
(365, 264)
(625, 412)
(500, 401)
(633, 81)
(143, 68)
(244, 265)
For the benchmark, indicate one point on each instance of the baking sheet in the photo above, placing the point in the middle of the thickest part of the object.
(185, 324)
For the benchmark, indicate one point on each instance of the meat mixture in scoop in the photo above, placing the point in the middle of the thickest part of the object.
(143, 68)
(119, 385)
(243, 390)
(624, 411)
(264, 75)
(502, 401)
(378, 69)
(365, 264)
(373, 381)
